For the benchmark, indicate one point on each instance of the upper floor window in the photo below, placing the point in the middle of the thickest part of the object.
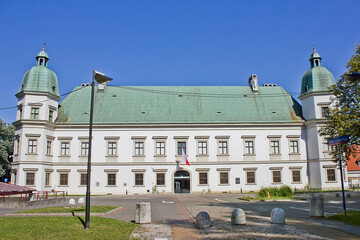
(249, 147)
(275, 147)
(181, 146)
(51, 115)
(223, 147)
(139, 148)
(202, 148)
(48, 148)
(160, 148)
(294, 146)
(32, 147)
(65, 148)
(324, 112)
(112, 148)
(34, 113)
(84, 148)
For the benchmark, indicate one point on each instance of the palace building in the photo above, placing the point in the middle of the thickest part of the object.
(236, 138)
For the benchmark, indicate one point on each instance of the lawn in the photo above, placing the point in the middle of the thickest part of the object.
(352, 217)
(63, 228)
(93, 209)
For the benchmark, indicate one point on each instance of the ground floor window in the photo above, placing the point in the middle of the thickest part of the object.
(30, 179)
(64, 179)
(203, 178)
(331, 175)
(83, 179)
(224, 178)
(296, 176)
(47, 179)
(160, 179)
(111, 179)
(276, 176)
(250, 177)
(139, 179)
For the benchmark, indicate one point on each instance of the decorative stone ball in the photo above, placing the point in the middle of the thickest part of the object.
(277, 216)
(203, 219)
(238, 217)
(72, 201)
(81, 200)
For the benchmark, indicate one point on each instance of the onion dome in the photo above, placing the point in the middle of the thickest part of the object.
(40, 78)
(317, 78)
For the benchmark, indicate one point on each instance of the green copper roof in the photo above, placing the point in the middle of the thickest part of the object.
(39, 78)
(180, 104)
(317, 78)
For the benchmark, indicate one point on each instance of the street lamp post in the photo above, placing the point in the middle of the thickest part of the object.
(100, 78)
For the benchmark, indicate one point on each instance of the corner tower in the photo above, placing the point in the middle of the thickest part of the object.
(38, 99)
(316, 99)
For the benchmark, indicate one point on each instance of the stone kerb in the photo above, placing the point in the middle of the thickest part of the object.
(203, 220)
(277, 216)
(143, 212)
(317, 206)
(238, 217)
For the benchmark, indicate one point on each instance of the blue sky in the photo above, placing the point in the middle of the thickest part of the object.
(174, 42)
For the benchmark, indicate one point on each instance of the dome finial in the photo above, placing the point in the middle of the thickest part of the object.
(314, 50)
(43, 47)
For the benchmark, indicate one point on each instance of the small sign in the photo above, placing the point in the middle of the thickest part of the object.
(338, 140)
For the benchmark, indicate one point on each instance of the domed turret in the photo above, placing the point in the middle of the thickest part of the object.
(317, 78)
(39, 78)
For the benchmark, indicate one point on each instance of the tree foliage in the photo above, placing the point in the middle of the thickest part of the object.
(6, 147)
(344, 115)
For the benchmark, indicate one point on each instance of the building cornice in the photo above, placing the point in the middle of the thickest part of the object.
(50, 95)
(20, 123)
(311, 94)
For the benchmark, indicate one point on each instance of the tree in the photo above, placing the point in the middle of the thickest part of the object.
(344, 115)
(6, 147)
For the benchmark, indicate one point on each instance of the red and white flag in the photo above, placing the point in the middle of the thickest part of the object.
(184, 159)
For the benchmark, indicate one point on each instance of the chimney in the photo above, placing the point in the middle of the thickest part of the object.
(253, 83)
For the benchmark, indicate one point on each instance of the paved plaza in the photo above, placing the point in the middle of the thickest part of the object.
(173, 216)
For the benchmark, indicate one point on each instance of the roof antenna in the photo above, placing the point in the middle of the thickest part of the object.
(43, 46)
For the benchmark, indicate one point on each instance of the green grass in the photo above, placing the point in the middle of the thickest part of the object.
(352, 217)
(265, 198)
(93, 209)
(63, 228)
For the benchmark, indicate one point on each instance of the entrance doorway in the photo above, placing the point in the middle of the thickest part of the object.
(182, 182)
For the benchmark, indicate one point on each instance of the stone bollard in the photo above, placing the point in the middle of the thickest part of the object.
(238, 217)
(203, 219)
(277, 216)
(143, 212)
(72, 202)
(81, 200)
(317, 206)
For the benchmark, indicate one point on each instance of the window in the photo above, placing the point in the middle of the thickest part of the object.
(180, 146)
(160, 148)
(34, 113)
(48, 148)
(237, 180)
(224, 178)
(223, 147)
(83, 179)
(47, 178)
(139, 179)
(276, 176)
(324, 112)
(111, 179)
(17, 145)
(64, 179)
(249, 147)
(84, 148)
(203, 178)
(331, 175)
(202, 148)
(32, 147)
(275, 147)
(250, 177)
(112, 148)
(328, 147)
(65, 148)
(139, 148)
(30, 179)
(160, 178)
(294, 146)
(296, 176)
(51, 115)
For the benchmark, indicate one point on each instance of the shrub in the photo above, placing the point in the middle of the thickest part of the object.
(283, 191)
